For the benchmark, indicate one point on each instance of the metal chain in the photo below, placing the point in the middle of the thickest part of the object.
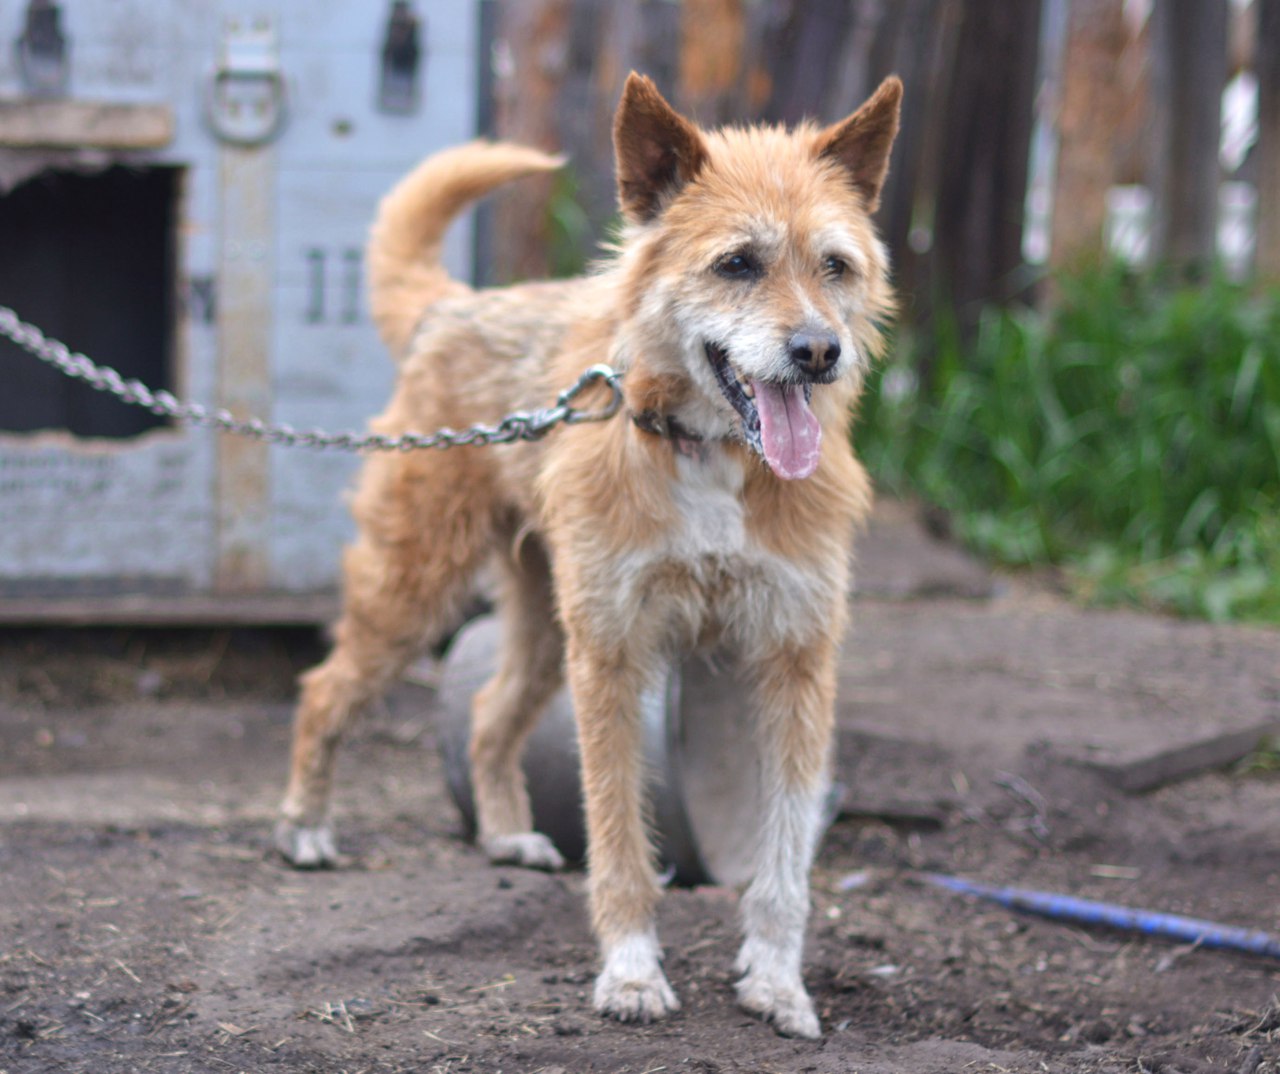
(521, 425)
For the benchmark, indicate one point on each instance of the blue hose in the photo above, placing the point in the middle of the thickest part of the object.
(1090, 912)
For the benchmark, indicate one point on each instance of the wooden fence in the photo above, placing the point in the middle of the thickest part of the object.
(1126, 101)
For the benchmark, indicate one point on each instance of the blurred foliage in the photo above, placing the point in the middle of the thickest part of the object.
(573, 240)
(1132, 438)
(569, 231)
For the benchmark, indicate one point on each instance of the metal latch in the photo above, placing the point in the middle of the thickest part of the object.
(401, 51)
(42, 51)
(245, 97)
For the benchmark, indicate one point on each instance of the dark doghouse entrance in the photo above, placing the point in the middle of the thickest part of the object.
(89, 259)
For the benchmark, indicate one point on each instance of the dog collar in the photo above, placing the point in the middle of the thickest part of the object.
(665, 427)
(650, 421)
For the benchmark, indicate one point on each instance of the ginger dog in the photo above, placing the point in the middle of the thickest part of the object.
(743, 305)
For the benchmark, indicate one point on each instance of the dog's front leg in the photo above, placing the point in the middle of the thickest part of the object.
(607, 681)
(796, 699)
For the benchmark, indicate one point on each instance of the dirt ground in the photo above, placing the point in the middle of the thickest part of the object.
(145, 925)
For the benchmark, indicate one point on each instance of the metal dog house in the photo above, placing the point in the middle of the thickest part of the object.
(184, 193)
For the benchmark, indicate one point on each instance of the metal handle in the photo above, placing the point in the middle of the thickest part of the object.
(245, 93)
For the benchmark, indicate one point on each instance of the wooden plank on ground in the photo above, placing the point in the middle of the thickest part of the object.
(1141, 772)
(1028, 679)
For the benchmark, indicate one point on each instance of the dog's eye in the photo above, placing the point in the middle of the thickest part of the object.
(835, 267)
(739, 266)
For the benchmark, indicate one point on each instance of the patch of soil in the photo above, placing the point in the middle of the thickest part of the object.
(54, 667)
(146, 926)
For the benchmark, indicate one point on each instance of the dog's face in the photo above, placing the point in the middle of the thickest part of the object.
(759, 278)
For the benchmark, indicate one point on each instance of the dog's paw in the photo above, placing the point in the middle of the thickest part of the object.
(306, 847)
(785, 1004)
(533, 850)
(635, 1000)
(632, 987)
(771, 987)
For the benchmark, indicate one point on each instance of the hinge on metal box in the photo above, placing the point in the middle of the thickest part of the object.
(398, 91)
(244, 97)
(42, 51)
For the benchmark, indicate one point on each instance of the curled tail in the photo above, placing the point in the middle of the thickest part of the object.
(405, 272)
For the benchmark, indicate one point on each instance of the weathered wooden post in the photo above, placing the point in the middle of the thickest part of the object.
(1189, 70)
(1088, 131)
(1267, 65)
(982, 185)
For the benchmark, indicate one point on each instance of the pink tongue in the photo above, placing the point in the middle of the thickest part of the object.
(789, 433)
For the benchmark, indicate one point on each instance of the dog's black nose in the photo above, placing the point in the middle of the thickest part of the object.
(815, 353)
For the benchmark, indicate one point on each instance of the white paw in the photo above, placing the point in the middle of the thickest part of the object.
(632, 987)
(775, 992)
(305, 847)
(533, 850)
(787, 1006)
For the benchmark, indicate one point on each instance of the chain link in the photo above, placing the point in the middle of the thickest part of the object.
(521, 425)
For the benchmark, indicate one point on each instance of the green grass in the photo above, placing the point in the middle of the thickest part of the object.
(1264, 759)
(1133, 439)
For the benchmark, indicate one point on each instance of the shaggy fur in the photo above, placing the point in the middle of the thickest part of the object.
(743, 304)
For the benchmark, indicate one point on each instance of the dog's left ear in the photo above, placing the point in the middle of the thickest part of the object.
(658, 151)
(861, 143)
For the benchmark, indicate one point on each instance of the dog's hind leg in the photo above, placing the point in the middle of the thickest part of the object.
(505, 711)
(796, 697)
(424, 527)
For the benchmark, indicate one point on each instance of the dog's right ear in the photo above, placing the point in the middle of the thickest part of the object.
(658, 151)
(861, 144)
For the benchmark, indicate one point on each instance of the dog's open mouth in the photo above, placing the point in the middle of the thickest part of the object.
(776, 419)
